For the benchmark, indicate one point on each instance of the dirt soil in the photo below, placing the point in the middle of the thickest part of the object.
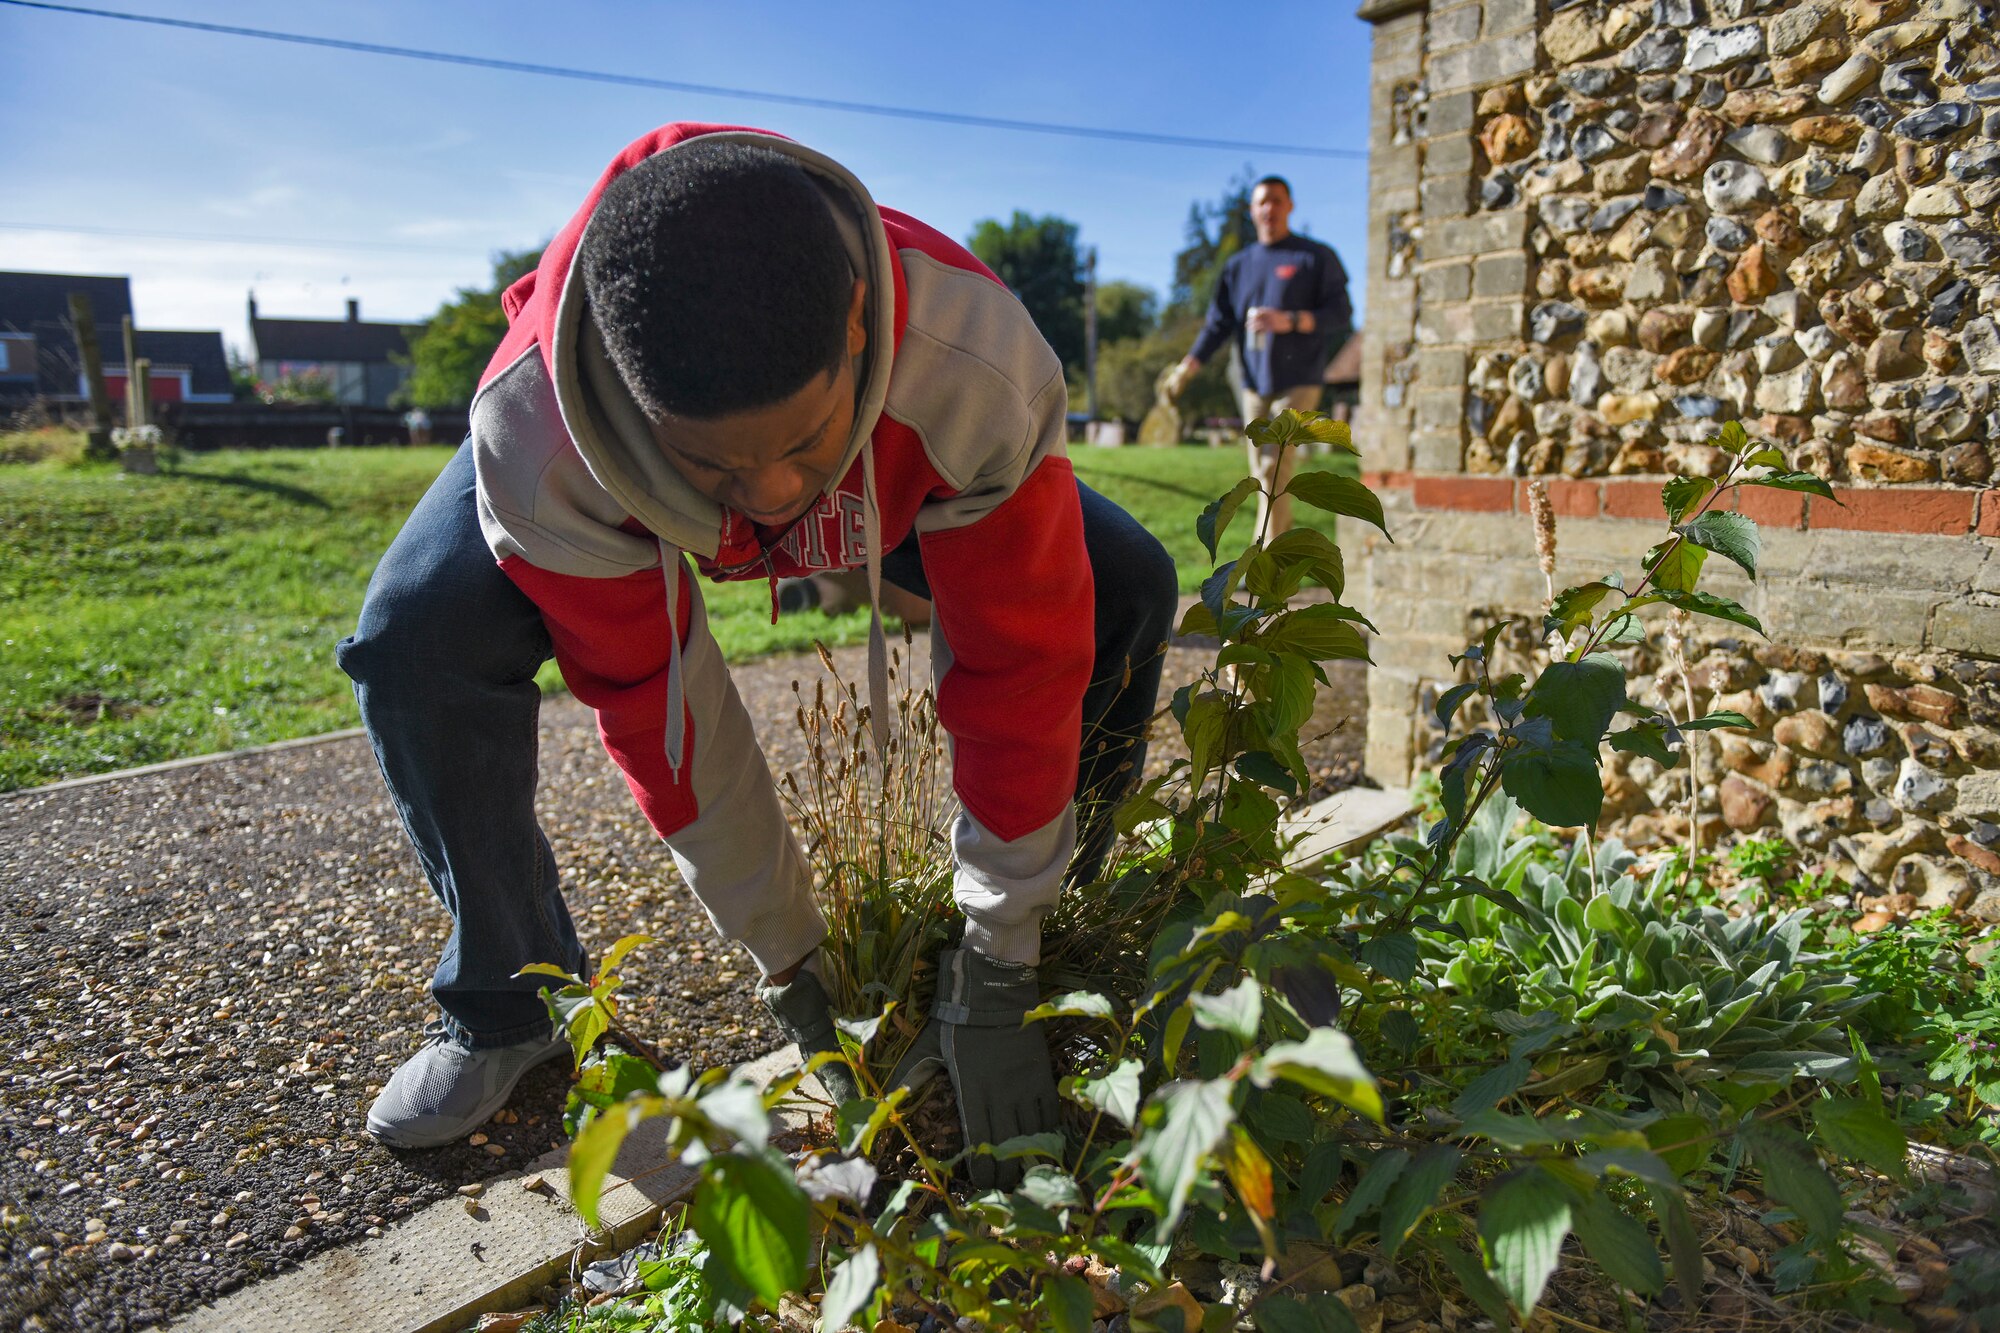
(215, 968)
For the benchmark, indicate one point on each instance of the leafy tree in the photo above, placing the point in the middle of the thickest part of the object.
(1214, 233)
(447, 357)
(1125, 310)
(1038, 259)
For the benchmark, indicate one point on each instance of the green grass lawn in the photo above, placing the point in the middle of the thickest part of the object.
(150, 618)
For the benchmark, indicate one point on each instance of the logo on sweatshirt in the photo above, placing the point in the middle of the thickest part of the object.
(1285, 271)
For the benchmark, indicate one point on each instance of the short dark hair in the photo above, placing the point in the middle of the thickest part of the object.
(1276, 180)
(718, 279)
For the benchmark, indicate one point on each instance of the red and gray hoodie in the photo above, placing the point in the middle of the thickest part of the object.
(958, 436)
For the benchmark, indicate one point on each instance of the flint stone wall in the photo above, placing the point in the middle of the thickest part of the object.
(1599, 231)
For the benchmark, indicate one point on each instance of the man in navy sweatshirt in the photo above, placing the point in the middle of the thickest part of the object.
(1284, 301)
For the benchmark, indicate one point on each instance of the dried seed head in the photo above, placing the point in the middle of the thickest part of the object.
(1544, 516)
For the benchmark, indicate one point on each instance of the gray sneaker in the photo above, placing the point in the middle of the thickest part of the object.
(444, 1091)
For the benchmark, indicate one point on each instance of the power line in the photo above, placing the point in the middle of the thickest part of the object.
(288, 242)
(703, 89)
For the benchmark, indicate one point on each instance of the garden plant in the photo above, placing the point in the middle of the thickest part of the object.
(1477, 1053)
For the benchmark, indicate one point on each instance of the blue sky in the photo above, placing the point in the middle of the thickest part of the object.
(398, 179)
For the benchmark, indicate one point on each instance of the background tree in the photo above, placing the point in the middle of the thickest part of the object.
(447, 357)
(1038, 259)
(1125, 310)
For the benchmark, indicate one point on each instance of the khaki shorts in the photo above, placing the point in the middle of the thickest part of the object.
(1263, 459)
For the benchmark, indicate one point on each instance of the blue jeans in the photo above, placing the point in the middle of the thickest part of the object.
(444, 664)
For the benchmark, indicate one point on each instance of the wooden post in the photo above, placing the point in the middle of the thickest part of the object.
(139, 390)
(84, 324)
(135, 410)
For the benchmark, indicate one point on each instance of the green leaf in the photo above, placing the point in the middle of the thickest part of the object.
(1068, 1302)
(1448, 702)
(1707, 604)
(1116, 1093)
(1321, 632)
(1371, 1189)
(1321, 1171)
(1683, 495)
(1292, 557)
(1861, 1131)
(548, 970)
(1674, 565)
(1051, 1187)
(1075, 1004)
(1721, 717)
(1581, 698)
(1472, 1277)
(1235, 1011)
(1794, 1177)
(848, 1290)
(1731, 536)
(753, 1215)
(1338, 495)
(1321, 1312)
(1490, 1088)
(1184, 1122)
(1047, 1144)
(1215, 519)
(1522, 1223)
(1414, 1194)
(626, 944)
(1766, 456)
(1559, 786)
(1647, 739)
(1457, 774)
(1732, 439)
(1326, 1063)
(1574, 606)
(1683, 1141)
(1794, 481)
(595, 1148)
(1620, 1244)
(1394, 955)
(1323, 429)
(1206, 731)
(1683, 1242)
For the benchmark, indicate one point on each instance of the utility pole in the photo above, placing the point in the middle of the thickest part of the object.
(1090, 332)
(83, 323)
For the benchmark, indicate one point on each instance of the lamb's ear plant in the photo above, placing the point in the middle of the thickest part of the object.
(1464, 1049)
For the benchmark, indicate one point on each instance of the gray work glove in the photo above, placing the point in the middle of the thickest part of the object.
(804, 1014)
(999, 1069)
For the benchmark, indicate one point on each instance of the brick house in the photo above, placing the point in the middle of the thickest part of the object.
(39, 361)
(365, 362)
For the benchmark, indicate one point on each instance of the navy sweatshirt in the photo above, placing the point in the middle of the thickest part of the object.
(1295, 273)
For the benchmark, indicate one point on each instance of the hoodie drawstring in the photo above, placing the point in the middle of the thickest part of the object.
(878, 640)
(670, 569)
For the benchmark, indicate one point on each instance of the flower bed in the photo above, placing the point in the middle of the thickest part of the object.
(1479, 1074)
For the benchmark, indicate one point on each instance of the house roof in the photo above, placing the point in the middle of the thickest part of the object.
(38, 303)
(329, 339)
(1345, 368)
(199, 351)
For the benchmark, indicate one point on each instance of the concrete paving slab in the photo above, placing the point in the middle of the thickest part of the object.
(1337, 822)
(438, 1270)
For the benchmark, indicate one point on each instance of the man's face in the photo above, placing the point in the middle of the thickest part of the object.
(1271, 211)
(771, 463)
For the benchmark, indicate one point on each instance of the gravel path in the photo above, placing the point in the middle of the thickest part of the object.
(215, 968)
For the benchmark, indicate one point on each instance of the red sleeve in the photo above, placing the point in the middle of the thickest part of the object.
(1015, 600)
(610, 639)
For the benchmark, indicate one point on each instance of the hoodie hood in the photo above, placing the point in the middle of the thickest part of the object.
(610, 432)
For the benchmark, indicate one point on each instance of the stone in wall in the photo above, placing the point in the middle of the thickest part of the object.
(1885, 770)
(1792, 211)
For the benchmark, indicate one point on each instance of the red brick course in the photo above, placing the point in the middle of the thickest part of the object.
(1486, 495)
(1927, 510)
